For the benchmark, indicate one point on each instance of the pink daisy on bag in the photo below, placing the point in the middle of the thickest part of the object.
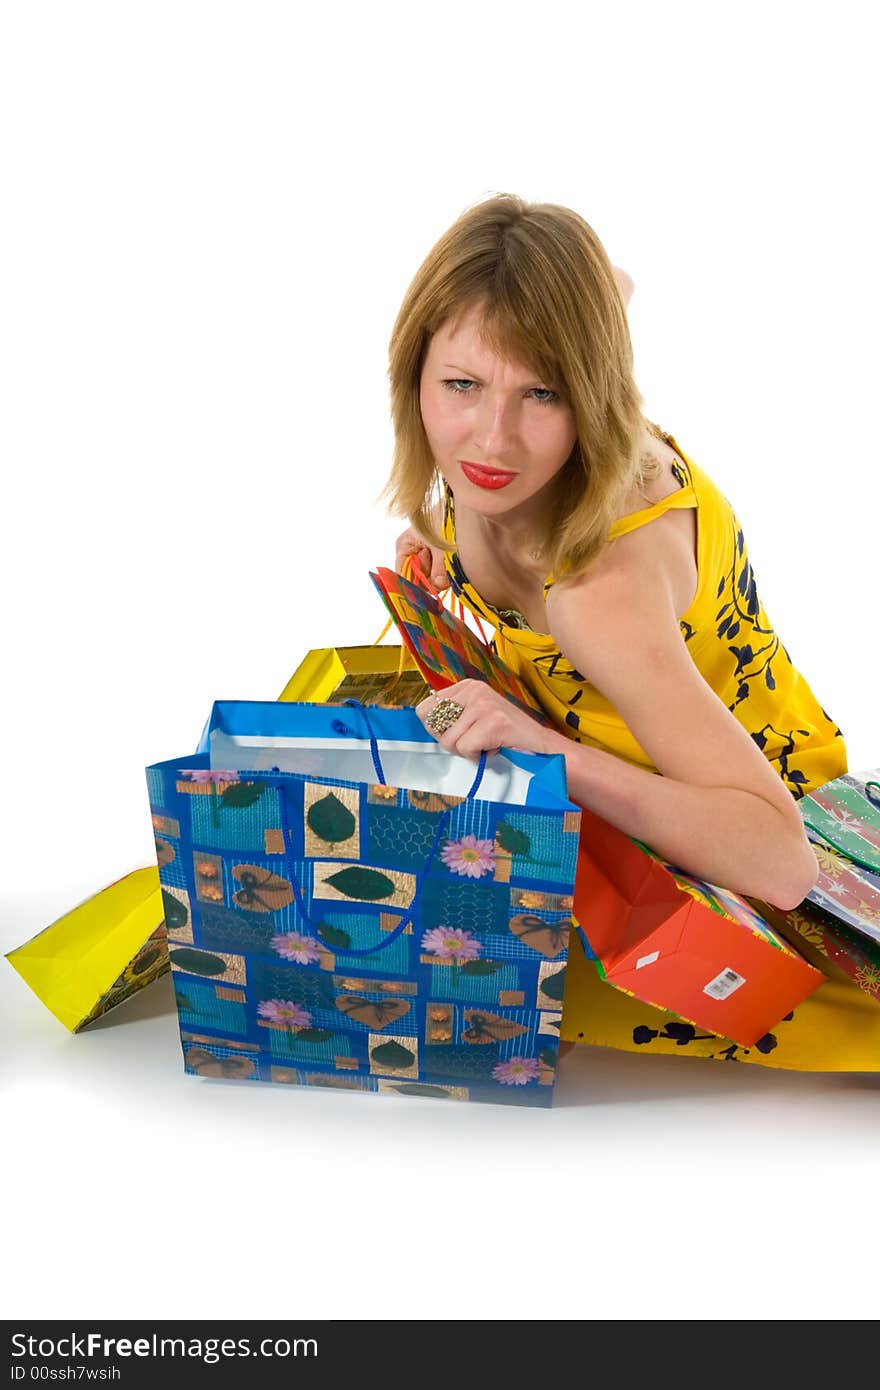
(448, 944)
(212, 775)
(303, 950)
(469, 856)
(517, 1071)
(282, 1011)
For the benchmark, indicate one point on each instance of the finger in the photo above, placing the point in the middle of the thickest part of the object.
(421, 563)
(405, 553)
(463, 736)
(425, 708)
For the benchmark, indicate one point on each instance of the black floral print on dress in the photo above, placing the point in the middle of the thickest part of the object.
(682, 1034)
(740, 617)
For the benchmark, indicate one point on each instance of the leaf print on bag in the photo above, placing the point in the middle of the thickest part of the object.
(392, 1056)
(242, 794)
(513, 840)
(435, 1092)
(334, 937)
(196, 962)
(516, 844)
(176, 914)
(330, 820)
(367, 885)
(553, 986)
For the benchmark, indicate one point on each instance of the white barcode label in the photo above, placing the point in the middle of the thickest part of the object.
(724, 984)
(647, 960)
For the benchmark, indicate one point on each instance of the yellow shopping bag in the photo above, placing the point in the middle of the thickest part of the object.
(100, 953)
(374, 675)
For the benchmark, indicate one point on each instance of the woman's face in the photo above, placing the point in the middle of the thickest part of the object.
(499, 435)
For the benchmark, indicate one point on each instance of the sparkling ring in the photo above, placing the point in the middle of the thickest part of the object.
(444, 715)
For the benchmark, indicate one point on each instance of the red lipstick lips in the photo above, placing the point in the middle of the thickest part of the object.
(491, 478)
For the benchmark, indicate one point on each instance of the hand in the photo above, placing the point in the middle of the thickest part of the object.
(432, 561)
(489, 722)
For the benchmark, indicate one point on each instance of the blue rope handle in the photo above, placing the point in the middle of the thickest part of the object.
(420, 877)
(377, 764)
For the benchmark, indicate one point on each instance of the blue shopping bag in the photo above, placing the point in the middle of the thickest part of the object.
(350, 905)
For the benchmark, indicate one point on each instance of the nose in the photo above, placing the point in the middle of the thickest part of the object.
(496, 428)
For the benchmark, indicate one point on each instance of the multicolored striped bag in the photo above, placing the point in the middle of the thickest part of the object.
(840, 916)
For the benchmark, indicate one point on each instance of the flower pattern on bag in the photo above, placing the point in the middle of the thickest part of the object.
(380, 934)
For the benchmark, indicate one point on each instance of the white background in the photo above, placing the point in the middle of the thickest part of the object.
(211, 214)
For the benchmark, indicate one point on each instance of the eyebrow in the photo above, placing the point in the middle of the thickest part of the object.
(472, 376)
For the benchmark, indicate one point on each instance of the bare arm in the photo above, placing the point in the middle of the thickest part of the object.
(718, 810)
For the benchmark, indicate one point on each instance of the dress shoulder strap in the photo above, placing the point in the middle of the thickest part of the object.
(676, 501)
(684, 497)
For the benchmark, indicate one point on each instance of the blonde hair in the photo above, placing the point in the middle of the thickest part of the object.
(549, 299)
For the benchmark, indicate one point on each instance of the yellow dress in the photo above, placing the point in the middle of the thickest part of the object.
(736, 650)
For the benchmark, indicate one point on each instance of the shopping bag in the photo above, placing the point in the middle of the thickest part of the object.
(374, 674)
(350, 905)
(840, 917)
(101, 952)
(655, 932)
(678, 943)
(443, 646)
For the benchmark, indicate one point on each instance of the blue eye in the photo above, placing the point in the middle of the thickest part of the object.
(458, 386)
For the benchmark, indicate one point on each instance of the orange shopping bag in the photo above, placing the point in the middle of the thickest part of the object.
(680, 944)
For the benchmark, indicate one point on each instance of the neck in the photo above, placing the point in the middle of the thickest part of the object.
(518, 534)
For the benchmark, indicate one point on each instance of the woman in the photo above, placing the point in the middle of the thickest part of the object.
(618, 582)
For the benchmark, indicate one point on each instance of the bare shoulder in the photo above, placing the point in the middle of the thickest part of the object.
(619, 628)
(622, 598)
(657, 558)
(623, 579)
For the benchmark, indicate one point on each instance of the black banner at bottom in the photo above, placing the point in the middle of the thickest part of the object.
(196, 1354)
